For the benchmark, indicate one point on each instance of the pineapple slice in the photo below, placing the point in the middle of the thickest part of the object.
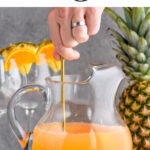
(20, 55)
(45, 54)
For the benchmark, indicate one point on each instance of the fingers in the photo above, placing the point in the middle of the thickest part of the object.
(54, 32)
(93, 17)
(79, 33)
(56, 55)
(65, 28)
(60, 49)
(64, 36)
(67, 53)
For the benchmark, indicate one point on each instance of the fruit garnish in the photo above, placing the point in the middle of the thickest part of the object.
(45, 54)
(20, 56)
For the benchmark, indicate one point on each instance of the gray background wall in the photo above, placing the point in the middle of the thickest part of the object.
(30, 24)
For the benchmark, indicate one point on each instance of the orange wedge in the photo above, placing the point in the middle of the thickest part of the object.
(20, 56)
(45, 55)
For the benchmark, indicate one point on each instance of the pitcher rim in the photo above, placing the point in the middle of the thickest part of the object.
(49, 80)
(92, 65)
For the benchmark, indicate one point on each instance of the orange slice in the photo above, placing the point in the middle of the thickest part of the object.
(21, 56)
(45, 54)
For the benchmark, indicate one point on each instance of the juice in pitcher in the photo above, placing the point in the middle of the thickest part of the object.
(81, 136)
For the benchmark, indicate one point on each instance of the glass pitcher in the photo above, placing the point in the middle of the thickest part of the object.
(91, 119)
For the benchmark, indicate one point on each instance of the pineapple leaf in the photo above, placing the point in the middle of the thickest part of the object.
(128, 17)
(113, 14)
(143, 67)
(128, 69)
(144, 78)
(133, 48)
(141, 57)
(148, 60)
(147, 37)
(130, 8)
(117, 35)
(121, 54)
(138, 14)
(147, 10)
(123, 27)
(137, 75)
(124, 47)
(134, 64)
(122, 60)
(148, 52)
(130, 51)
(116, 44)
(133, 38)
(119, 51)
(142, 44)
(130, 35)
(144, 25)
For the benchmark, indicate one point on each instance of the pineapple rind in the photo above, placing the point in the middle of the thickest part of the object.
(134, 108)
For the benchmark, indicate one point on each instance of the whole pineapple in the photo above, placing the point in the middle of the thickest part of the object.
(133, 51)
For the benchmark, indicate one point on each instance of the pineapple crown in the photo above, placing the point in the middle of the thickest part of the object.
(133, 45)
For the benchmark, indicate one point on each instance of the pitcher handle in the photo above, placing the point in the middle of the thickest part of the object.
(20, 133)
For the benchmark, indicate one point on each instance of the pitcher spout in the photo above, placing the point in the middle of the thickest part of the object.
(107, 72)
(104, 83)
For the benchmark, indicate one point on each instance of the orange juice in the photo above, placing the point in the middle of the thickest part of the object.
(81, 136)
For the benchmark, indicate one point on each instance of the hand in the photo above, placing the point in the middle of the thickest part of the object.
(64, 37)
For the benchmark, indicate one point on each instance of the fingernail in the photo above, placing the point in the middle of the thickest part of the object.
(76, 54)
